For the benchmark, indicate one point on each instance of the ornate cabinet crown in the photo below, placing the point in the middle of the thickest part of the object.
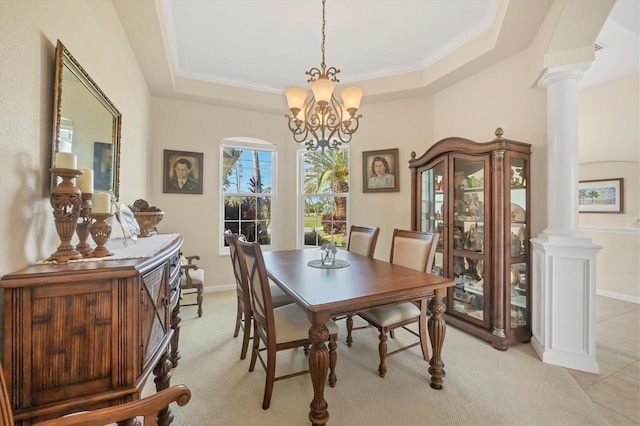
(476, 195)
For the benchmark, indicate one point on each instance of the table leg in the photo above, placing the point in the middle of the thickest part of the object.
(437, 331)
(318, 368)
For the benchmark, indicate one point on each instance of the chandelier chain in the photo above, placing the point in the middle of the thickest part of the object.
(323, 25)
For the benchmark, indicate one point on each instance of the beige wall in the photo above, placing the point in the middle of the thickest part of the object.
(610, 148)
(499, 96)
(28, 33)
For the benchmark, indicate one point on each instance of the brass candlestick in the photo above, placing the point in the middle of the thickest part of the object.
(100, 232)
(83, 226)
(65, 200)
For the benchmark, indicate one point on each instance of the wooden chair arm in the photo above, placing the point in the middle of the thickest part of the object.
(147, 407)
(191, 258)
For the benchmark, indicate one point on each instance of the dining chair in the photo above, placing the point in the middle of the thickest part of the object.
(148, 408)
(243, 311)
(411, 249)
(191, 280)
(362, 240)
(278, 329)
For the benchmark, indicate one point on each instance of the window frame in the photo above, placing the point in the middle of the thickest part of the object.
(301, 195)
(248, 144)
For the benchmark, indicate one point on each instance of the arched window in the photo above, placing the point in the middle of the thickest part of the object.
(247, 177)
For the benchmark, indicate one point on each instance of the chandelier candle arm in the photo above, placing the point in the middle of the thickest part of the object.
(323, 121)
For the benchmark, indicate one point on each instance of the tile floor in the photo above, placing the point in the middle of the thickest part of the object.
(616, 390)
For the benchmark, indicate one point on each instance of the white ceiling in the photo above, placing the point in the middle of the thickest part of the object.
(268, 45)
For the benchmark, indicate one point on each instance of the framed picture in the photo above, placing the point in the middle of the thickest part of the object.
(102, 166)
(380, 171)
(601, 196)
(182, 172)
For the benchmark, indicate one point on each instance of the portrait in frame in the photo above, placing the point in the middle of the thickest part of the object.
(380, 171)
(601, 196)
(182, 172)
(102, 166)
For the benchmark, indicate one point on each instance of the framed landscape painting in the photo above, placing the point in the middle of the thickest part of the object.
(601, 196)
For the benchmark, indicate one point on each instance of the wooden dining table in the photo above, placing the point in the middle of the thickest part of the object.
(365, 283)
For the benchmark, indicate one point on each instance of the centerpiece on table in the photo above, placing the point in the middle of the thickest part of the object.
(148, 217)
(328, 253)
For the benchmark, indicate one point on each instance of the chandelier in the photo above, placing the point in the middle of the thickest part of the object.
(323, 121)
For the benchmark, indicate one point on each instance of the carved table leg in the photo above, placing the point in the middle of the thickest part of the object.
(437, 331)
(382, 351)
(318, 368)
(175, 339)
(162, 371)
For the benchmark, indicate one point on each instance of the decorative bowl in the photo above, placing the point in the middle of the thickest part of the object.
(148, 222)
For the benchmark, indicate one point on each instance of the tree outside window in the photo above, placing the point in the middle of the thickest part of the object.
(247, 186)
(325, 197)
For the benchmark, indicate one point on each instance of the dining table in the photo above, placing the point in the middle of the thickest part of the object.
(352, 284)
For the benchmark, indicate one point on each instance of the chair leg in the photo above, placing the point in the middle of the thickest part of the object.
(271, 376)
(333, 359)
(238, 318)
(199, 299)
(392, 333)
(246, 336)
(256, 349)
(382, 350)
(349, 328)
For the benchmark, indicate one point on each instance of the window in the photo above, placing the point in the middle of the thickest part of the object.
(247, 176)
(324, 196)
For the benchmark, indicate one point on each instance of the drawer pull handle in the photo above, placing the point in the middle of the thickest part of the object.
(165, 301)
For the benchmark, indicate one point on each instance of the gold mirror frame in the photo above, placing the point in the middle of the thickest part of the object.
(92, 149)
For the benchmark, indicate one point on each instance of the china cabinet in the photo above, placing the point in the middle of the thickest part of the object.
(476, 195)
(88, 334)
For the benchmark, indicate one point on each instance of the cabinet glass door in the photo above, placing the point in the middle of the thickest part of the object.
(432, 209)
(519, 242)
(468, 240)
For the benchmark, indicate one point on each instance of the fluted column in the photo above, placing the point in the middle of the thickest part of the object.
(564, 260)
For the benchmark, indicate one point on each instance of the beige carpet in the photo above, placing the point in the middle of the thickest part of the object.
(483, 386)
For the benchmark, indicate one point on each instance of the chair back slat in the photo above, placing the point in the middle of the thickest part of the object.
(259, 286)
(239, 268)
(413, 249)
(362, 240)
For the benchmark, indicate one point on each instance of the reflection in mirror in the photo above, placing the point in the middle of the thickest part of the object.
(86, 123)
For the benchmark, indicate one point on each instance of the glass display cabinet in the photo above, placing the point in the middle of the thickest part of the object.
(476, 196)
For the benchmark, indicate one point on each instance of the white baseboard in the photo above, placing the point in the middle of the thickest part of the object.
(619, 296)
(217, 288)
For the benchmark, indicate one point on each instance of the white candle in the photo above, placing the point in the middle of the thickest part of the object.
(101, 202)
(66, 160)
(85, 181)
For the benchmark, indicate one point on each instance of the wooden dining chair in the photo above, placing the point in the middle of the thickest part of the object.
(191, 280)
(243, 311)
(362, 240)
(415, 250)
(148, 408)
(278, 329)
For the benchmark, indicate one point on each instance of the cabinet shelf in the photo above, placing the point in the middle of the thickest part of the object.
(477, 236)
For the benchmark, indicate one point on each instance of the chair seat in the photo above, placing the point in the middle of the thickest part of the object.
(197, 277)
(292, 324)
(388, 315)
(279, 297)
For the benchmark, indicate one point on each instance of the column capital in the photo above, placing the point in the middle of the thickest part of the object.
(564, 72)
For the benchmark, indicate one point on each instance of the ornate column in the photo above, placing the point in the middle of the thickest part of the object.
(564, 260)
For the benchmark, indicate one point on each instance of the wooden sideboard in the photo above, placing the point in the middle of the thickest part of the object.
(87, 334)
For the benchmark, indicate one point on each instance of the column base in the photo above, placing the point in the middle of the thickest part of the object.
(563, 300)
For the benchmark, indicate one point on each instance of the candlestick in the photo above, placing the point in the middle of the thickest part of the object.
(66, 201)
(83, 226)
(101, 202)
(100, 231)
(85, 182)
(66, 160)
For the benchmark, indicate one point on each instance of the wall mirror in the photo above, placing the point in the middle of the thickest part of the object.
(86, 123)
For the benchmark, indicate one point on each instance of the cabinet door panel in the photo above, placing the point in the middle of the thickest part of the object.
(154, 310)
